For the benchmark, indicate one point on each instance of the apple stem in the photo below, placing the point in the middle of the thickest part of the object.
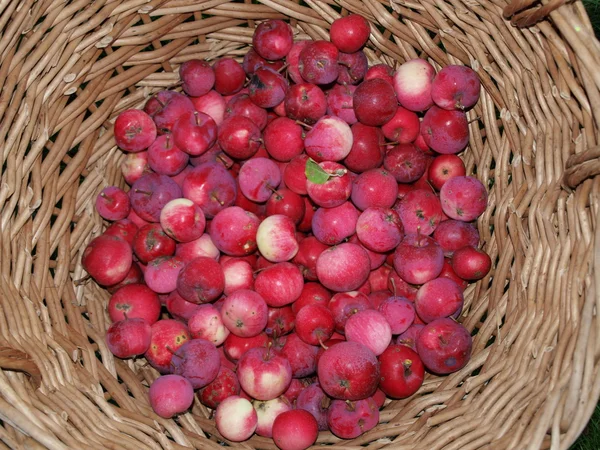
(224, 159)
(167, 140)
(278, 196)
(302, 124)
(170, 350)
(141, 191)
(125, 315)
(218, 200)
(350, 405)
(268, 354)
(384, 144)
(282, 68)
(81, 281)
(407, 364)
(159, 101)
(321, 342)
(393, 282)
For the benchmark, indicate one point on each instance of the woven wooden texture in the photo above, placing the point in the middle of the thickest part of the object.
(69, 67)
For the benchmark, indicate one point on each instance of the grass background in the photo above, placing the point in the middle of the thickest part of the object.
(590, 438)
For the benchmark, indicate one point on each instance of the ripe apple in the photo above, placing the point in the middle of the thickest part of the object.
(264, 374)
(402, 371)
(236, 418)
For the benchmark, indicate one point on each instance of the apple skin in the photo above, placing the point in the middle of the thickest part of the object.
(302, 356)
(280, 284)
(348, 371)
(418, 259)
(370, 328)
(295, 430)
(311, 293)
(438, 298)
(201, 280)
(412, 84)
(453, 234)
(344, 304)
(245, 313)
(317, 62)
(129, 337)
(134, 301)
(281, 321)
(267, 411)
(197, 360)
(276, 238)
(235, 346)
(313, 399)
(107, 259)
(456, 87)
(236, 418)
(409, 337)
(444, 346)
(206, 323)
(349, 420)
(446, 132)
(273, 39)
(224, 385)
(402, 371)
(471, 263)
(344, 267)
(350, 33)
(374, 103)
(233, 231)
(134, 130)
(330, 139)
(464, 198)
(167, 336)
(399, 312)
(170, 395)
(182, 220)
(314, 324)
(210, 186)
(332, 226)
(444, 167)
(263, 374)
(113, 203)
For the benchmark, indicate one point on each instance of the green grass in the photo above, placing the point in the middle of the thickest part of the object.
(593, 9)
(590, 437)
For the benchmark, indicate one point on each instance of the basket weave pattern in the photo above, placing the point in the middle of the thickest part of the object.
(67, 70)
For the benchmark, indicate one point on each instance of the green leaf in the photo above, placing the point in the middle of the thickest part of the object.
(315, 173)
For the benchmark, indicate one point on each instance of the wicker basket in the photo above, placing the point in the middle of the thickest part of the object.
(68, 68)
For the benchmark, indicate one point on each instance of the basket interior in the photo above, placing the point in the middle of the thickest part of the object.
(69, 68)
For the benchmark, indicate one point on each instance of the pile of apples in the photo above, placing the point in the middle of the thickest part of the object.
(297, 236)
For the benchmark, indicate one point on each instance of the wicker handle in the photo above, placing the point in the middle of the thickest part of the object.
(582, 166)
(522, 15)
(11, 359)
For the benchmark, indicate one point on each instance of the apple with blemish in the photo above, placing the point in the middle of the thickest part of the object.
(128, 338)
(134, 130)
(245, 313)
